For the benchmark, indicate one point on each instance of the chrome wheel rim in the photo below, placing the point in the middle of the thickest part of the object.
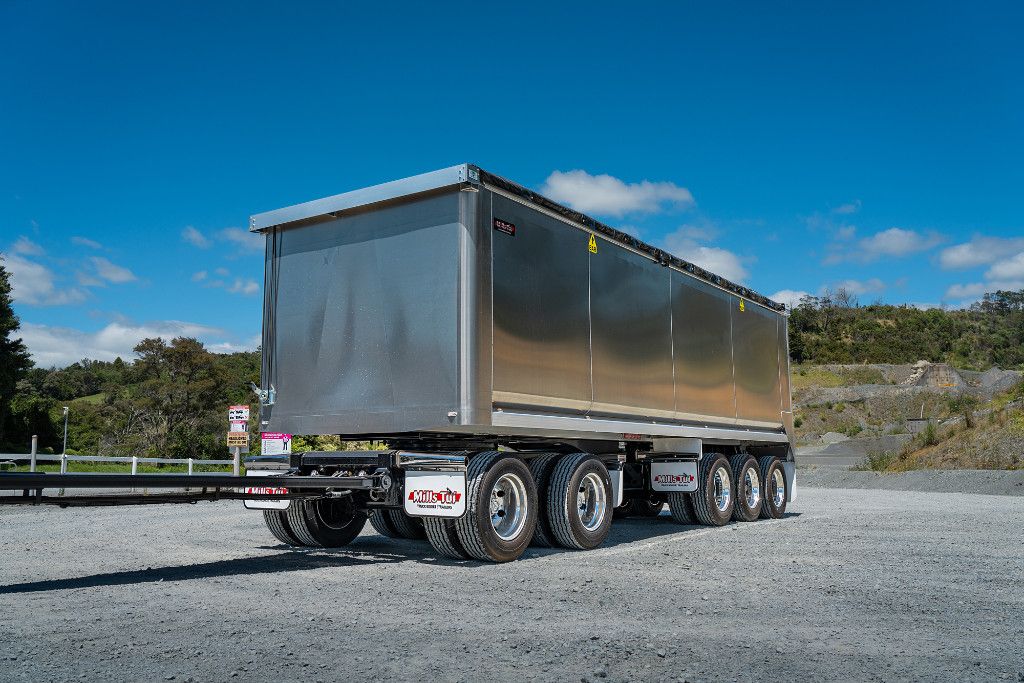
(752, 488)
(508, 506)
(591, 501)
(779, 488)
(722, 486)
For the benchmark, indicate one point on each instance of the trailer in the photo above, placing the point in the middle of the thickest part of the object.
(533, 374)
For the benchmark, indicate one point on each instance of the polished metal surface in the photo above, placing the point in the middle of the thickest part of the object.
(579, 427)
(751, 487)
(631, 332)
(702, 343)
(591, 502)
(755, 346)
(444, 461)
(541, 311)
(402, 309)
(722, 488)
(365, 321)
(778, 491)
(395, 189)
(509, 506)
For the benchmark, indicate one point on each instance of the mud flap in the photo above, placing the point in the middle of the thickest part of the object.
(430, 493)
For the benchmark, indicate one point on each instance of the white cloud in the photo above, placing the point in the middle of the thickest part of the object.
(195, 238)
(968, 291)
(247, 242)
(859, 287)
(607, 195)
(898, 242)
(246, 286)
(112, 272)
(199, 276)
(1007, 269)
(87, 280)
(86, 242)
(846, 232)
(251, 344)
(719, 261)
(789, 297)
(35, 284)
(848, 208)
(62, 346)
(979, 251)
(25, 246)
(894, 242)
(223, 272)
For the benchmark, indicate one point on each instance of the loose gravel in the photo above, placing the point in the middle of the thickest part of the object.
(852, 585)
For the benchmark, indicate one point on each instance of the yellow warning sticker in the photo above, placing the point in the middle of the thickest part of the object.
(743, 306)
(592, 245)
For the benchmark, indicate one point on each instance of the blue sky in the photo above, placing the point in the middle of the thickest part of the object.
(876, 146)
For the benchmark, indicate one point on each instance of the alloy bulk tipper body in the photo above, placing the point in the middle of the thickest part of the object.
(528, 369)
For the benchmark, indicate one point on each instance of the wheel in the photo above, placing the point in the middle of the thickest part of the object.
(713, 499)
(325, 522)
(541, 468)
(444, 537)
(501, 507)
(747, 475)
(405, 526)
(680, 505)
(649, 505)
(381, 523)
(773, 504)
(277, 522)
(579, 502)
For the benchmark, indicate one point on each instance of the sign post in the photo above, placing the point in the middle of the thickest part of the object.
(238, 435)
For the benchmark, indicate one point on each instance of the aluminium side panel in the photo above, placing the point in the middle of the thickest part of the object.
(755, 340)
(702, 339)
(541, 331)
(631, 331)
(363, 335)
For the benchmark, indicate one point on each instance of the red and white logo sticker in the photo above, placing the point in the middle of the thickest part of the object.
(435, 494)
(674, 475)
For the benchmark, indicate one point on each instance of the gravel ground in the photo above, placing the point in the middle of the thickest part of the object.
(852, 585)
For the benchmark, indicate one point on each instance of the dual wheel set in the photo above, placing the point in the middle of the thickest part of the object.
(554, 500)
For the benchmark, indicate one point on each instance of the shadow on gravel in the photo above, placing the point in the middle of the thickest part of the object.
(289, 561)
(365, 550)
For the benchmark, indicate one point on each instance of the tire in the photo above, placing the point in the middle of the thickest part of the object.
(580, 524)
(746, 475)
(541, 468)
(443, 536)
(277, 522)
(773, 499)
(501, 507)
(381, 523)
(407, 527)
(648, 506)
(713, 500)
(326, 522)
(680, 504)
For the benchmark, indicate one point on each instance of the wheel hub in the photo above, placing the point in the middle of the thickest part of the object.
(508, 506)
(722, 485)
(591, 501)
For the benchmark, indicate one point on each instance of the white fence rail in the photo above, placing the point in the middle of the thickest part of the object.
(134, 460)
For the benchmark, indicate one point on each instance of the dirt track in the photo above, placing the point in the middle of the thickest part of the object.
(854, 585)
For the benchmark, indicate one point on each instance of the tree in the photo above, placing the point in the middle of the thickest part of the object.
(14, 358)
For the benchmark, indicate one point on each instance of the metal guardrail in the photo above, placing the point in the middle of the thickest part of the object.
(33, 458)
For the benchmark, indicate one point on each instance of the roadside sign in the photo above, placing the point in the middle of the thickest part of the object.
(238, 440)
(238, 414)
(239, 426)
(275, 443)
